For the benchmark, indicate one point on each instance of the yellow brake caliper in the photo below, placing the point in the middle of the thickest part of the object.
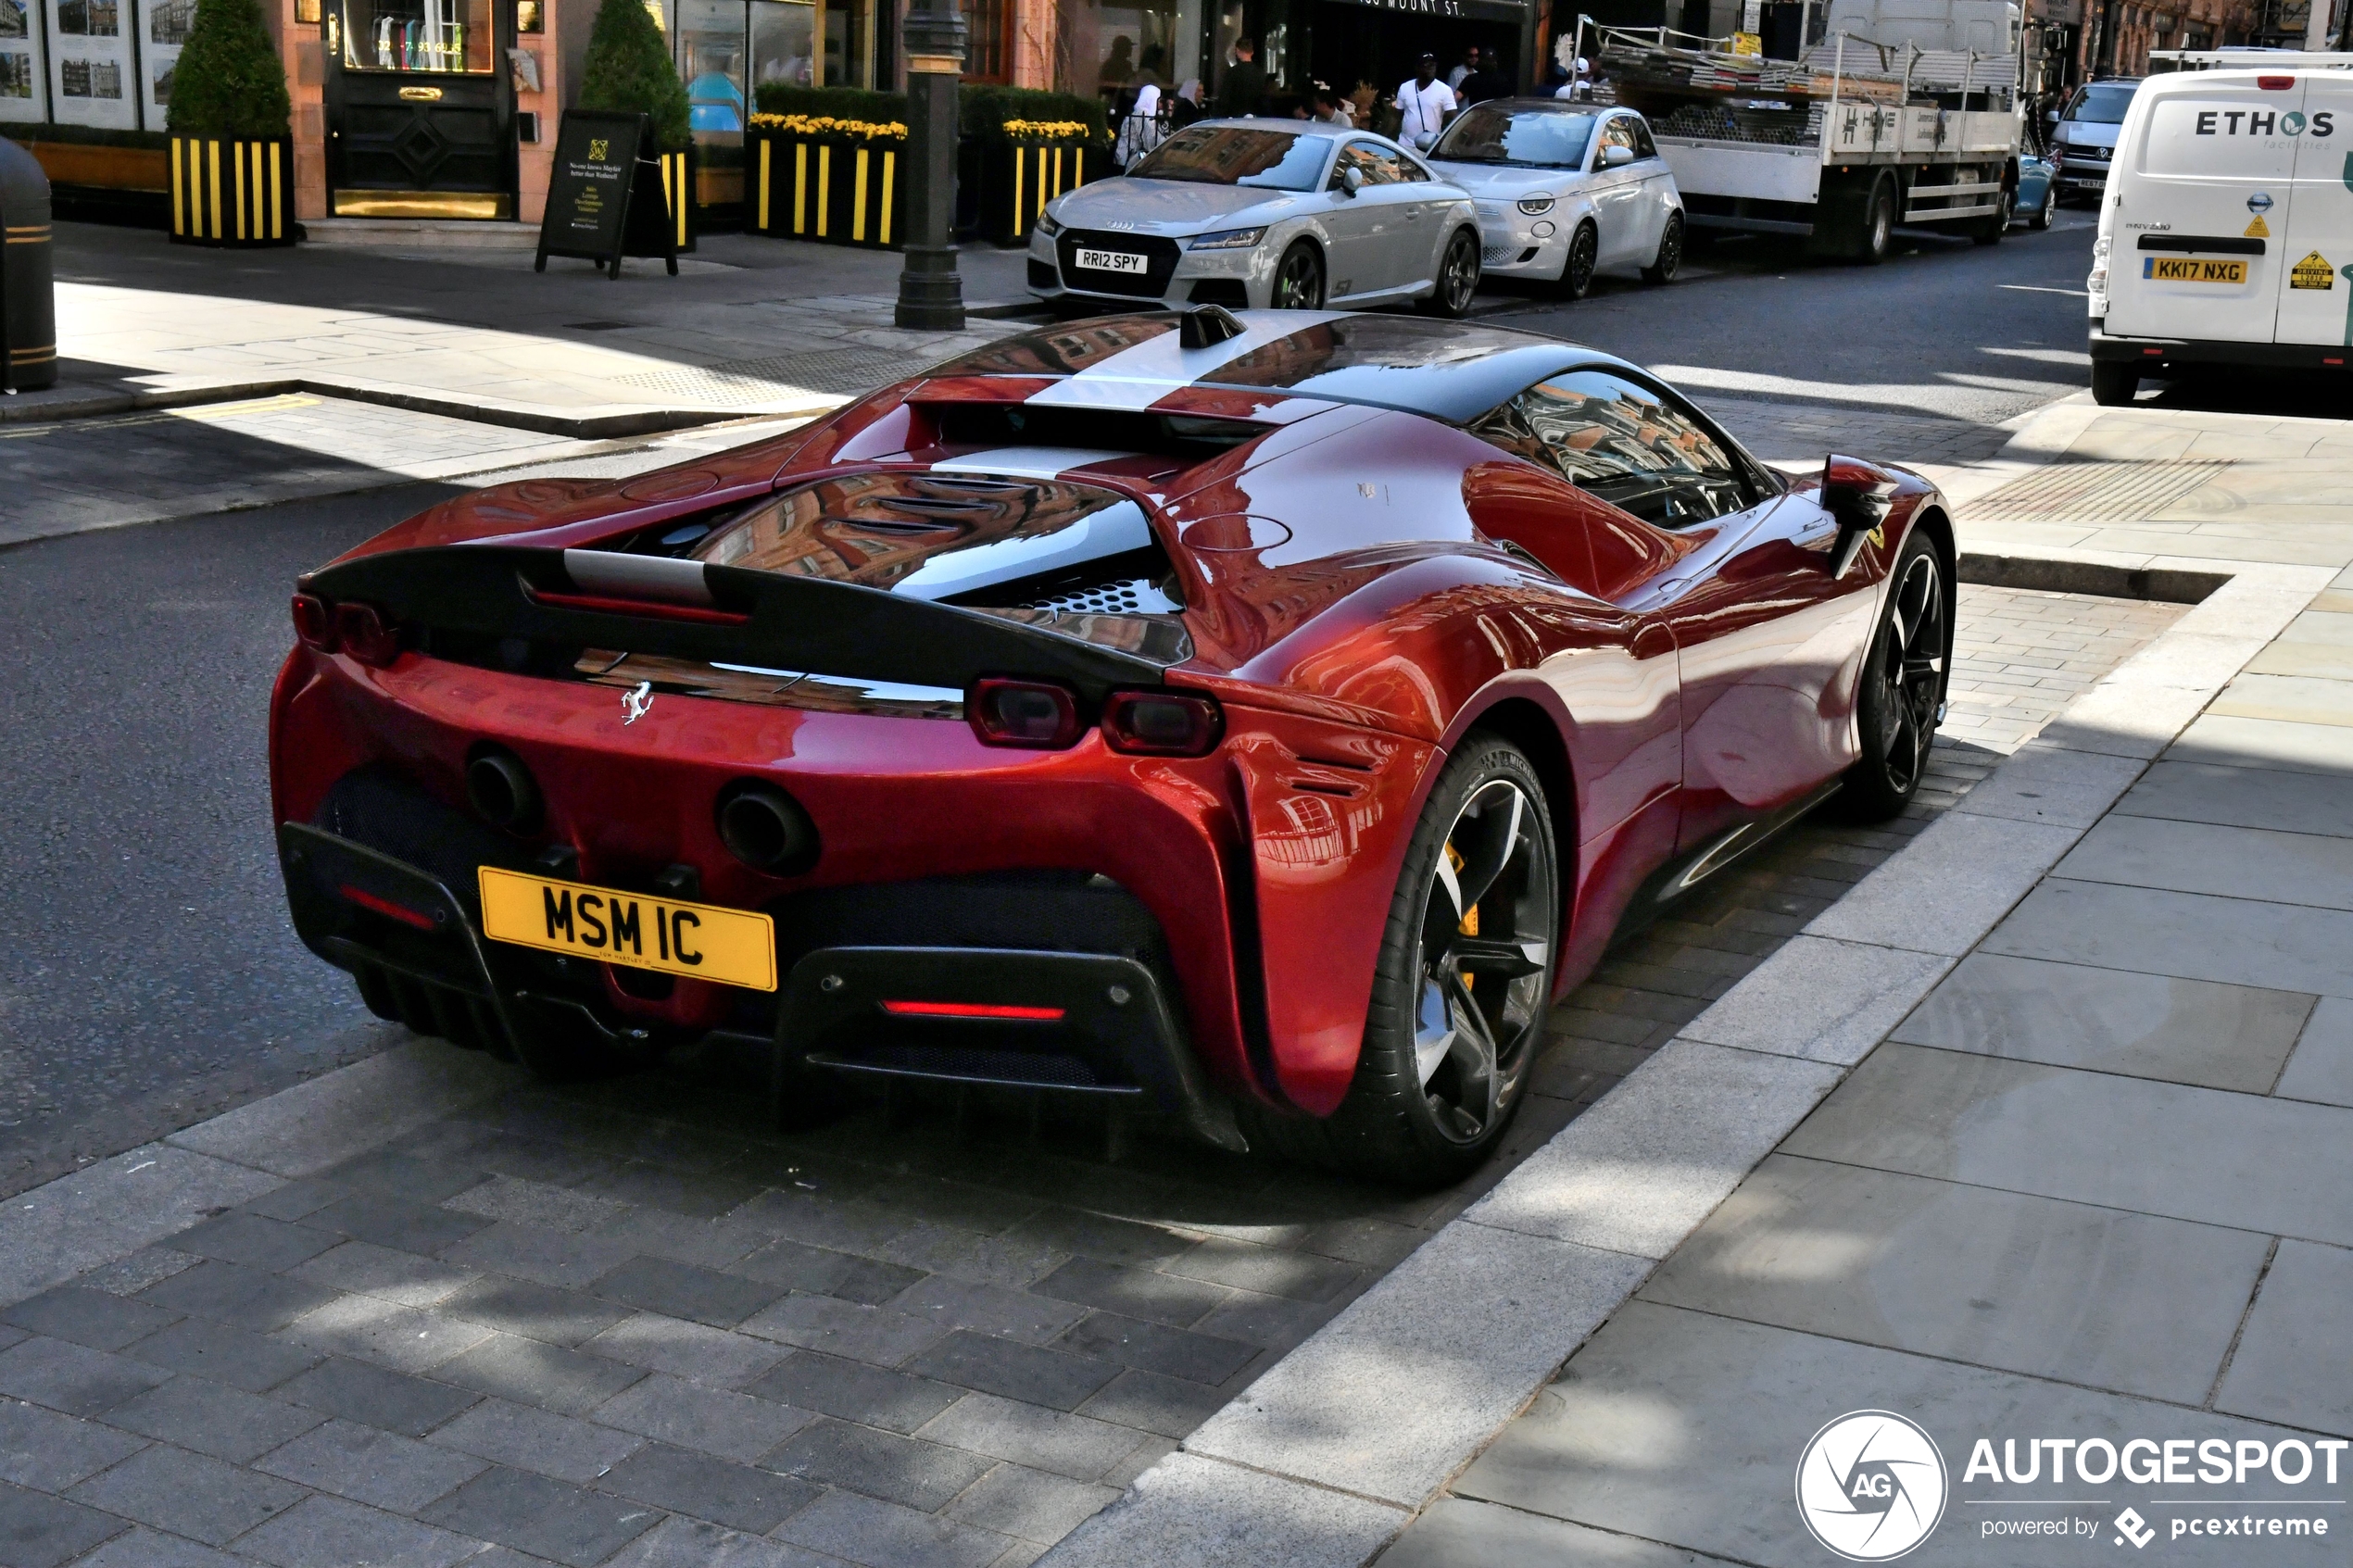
(1469, 926)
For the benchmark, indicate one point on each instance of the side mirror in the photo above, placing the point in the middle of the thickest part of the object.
(1352, 180)
(1857, 496)
(1617, 157)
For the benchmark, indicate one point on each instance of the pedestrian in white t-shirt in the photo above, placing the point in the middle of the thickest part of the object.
(1427, 104)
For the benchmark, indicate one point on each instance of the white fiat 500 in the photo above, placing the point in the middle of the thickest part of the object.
(1564, 189)
(1259, 214)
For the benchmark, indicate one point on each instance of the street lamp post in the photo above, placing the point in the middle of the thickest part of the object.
(931, 297)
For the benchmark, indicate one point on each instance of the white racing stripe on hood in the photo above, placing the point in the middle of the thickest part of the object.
(1139, 376)
(1028, 462)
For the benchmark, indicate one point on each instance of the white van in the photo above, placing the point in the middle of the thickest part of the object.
(2226, 234)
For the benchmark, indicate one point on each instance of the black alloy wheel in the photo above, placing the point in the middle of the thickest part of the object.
(1901, 698)
(1577, 267)
(1299, 279)
(1461, 987)
(1457, 278)
(1670, 252)
(2048, 211)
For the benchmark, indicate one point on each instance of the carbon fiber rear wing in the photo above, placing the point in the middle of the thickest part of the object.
(721, 614)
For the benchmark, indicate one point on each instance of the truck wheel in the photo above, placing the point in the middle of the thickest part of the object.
(1875, 223)
(1990, 230)
(2113, 385)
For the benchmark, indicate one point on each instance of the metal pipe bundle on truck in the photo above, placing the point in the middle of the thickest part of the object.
(1907, 111)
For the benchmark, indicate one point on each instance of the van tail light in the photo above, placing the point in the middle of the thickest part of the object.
(2275, 84)
(1163, 723)
(314, 624)
(362, 632)
(1032, 715)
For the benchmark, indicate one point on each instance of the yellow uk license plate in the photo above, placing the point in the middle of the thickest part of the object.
(697, 941)
(2190, 269)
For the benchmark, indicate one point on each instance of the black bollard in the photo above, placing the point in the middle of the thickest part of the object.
(28, 290)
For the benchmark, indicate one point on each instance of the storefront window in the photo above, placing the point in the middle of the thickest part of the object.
(711, 50)
(850, 50)
(19, 62)
(91, 81)
(1108, 49)
(780, 44)
(418, 36)
(166, 30)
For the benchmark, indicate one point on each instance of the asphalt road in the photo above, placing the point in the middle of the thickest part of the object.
(151, 979)
(1941, 327)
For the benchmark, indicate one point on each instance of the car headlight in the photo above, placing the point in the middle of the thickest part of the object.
(1048, 225)
(1232, 239)
(1536, 206)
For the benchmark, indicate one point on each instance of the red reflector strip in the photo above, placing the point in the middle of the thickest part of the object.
(2151, 352)
(646, 609)
(386, 907)
(2325, 360)
(973, 1009)
(2275, 84)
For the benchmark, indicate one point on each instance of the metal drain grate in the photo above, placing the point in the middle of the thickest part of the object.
(832, 370)
(2095, 492)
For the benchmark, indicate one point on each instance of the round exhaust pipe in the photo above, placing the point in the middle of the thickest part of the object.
(766, 829)
(502, 791)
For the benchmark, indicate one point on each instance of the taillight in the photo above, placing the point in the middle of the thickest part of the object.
(314, 622)
(994, 1011)
(2275, 84)
(1163, 723)
(1037, 715)
(362, 632)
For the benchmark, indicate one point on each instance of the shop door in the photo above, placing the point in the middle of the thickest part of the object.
(420, 109)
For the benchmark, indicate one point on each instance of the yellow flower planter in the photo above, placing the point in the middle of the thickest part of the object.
(827, 189)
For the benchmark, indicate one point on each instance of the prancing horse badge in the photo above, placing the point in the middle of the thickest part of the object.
(635, 703)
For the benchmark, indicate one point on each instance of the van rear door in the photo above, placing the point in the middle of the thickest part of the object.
(2317, 239)
(2205, 185)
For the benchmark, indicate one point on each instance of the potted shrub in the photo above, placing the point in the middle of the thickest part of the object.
(628, 70)
(232, 160)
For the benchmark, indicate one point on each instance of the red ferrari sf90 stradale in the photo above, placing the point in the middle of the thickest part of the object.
(1264, 718)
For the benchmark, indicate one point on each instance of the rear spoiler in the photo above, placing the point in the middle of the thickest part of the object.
(724, 614)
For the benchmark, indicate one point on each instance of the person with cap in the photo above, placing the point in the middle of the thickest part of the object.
(1424, 106)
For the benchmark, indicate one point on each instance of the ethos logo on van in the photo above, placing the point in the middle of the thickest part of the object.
(2263, 122)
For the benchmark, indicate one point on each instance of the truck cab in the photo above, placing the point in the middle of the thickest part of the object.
(2226, 237)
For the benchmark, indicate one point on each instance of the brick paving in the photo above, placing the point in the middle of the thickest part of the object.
(627, 1325)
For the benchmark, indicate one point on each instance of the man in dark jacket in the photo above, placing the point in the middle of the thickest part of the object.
(1490, 81)
(1244, 90)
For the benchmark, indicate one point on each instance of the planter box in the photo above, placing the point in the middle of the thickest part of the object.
(1014, 181)
(232, 193)
(842, 192)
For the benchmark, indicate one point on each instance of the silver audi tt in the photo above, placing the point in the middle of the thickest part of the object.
(1264, 214)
